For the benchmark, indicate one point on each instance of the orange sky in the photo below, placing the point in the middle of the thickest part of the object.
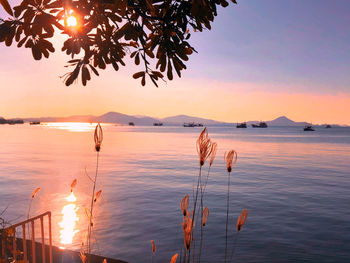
(231, 102)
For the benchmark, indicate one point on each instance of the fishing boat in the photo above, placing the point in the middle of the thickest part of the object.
(131, 124)
(309, 128)
(34, 123)
(260, 125)
(241, 125)
(158, 124)
(189, 124)
(192, 124)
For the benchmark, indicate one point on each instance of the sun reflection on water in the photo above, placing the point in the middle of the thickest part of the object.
(69, 220)
(71, 126)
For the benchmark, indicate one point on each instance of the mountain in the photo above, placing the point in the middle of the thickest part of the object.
(284, 121)
(116, 117)
(124, 119)
(180, 119)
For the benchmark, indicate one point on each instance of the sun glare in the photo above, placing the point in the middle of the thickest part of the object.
(72, 21)
(69, 219)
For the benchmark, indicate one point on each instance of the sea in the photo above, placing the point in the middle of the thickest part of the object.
(294, 184)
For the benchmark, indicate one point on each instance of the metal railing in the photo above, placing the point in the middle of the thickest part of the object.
(11, 230)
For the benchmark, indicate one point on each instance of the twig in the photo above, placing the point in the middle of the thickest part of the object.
(227, 211)
(92, 206)
(234, 246)
(86, 173)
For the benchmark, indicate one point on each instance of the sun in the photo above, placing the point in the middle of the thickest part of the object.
(72, 21)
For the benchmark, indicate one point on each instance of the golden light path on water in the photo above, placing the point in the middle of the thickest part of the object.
(69, 220)
(71, 126)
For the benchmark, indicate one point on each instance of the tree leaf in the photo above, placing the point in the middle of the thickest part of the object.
(138, 74)
(5, 4)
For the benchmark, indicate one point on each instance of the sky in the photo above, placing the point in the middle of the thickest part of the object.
(261, 60)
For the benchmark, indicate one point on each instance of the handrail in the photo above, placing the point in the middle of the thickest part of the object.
(30, 221)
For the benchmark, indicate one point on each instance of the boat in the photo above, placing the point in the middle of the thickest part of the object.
(260, 125)
(158, 124)
(34, 123)
(192, 124)
(189, 124)
(241, 125)
(308, 128)
(328, 126)
(131, 124)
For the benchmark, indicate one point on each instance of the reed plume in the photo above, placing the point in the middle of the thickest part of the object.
(205, 214)
(174, 258)
(203, 146)
(184, 204)
(73, 184)
(153, 246)
(230, 159)
(35, 192)
(153, 249)
(241, 219)
(97, 195)
(98, 137)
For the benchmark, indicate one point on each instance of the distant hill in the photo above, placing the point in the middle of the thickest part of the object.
(124, 119)
(180, 119)
(284, 121)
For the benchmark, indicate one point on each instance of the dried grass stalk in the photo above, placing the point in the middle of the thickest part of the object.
(98, 137)
(205, 214)
(97, 195)
(203, 147)
(230, 159)
(72, 186)
(184, 204)
(153, 246)
(35, 192)
(241, 219)
(174, 258)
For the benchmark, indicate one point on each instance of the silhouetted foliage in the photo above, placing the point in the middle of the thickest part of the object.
(109, 30)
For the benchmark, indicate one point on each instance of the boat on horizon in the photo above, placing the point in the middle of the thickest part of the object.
(308, 128)
(131, 124)
(260, 125)
(192, 124)
(241, 125)
(34, 123)
(158, 124)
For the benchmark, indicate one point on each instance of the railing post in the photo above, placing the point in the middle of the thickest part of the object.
(4, 239)
(14, 254)
(50, 237)
(24, 243)
(42, 239)
(3, 245)
(33, 242)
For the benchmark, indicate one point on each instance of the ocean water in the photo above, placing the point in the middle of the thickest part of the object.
(295, 185)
